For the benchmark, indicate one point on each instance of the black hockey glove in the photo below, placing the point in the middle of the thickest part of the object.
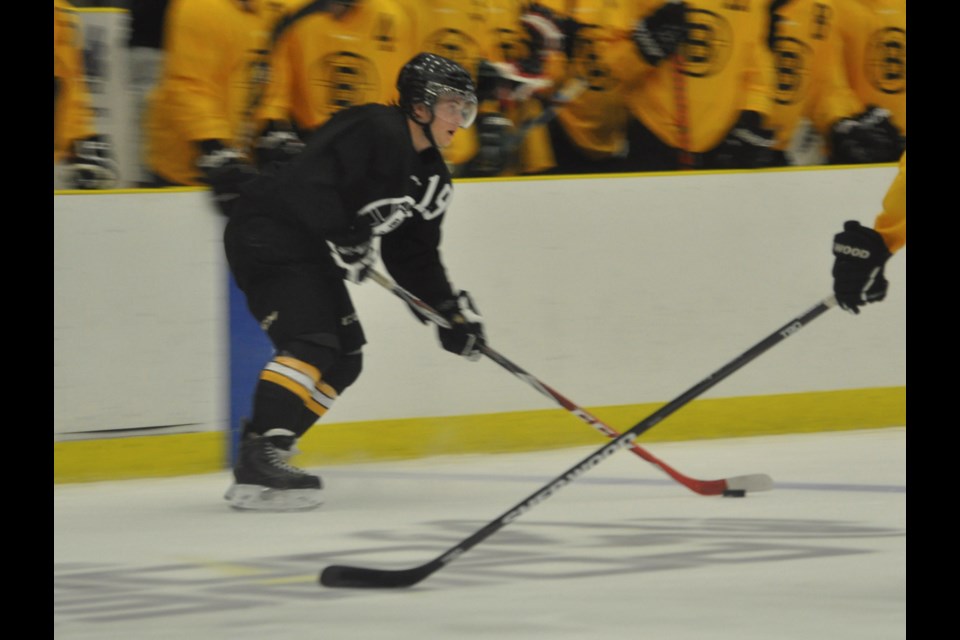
(225, 170)
(277, 145)
(748, 145)
(662, 32)
(859, 257)
(865, 138)
(91, 164)
(495, 138)
(465, 337)
(355, 251)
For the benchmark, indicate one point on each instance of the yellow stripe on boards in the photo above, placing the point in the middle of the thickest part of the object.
(139, 457)
(344, 443)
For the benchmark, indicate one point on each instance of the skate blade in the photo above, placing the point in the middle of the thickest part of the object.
(251, 497)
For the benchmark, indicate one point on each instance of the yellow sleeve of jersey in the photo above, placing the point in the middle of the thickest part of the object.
(723, 68)
(874, 53)
(891, 223)
(283, 62)
(626, 58)
(833, 98)
(282, 58)
(507, 41)
(207, 86)
(72, 115)
(327, 62)
(760, 71)
(536, 151)
(196, 35)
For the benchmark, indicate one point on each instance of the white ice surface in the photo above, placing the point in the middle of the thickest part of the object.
(622, 552)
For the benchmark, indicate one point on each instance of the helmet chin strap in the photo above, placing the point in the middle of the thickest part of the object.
(428, 130)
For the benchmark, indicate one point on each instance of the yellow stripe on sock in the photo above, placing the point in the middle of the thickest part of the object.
(301, 366)
(327, 390)
(289, 384)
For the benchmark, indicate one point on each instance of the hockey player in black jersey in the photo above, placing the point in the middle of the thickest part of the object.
(370, 183)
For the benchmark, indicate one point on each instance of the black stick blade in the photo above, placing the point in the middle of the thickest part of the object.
(362, 578)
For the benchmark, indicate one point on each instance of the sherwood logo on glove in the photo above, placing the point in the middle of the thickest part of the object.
(854, 252)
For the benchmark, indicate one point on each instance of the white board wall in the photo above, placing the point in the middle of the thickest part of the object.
(613, 290)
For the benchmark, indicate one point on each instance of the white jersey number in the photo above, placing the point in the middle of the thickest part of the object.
(433, 204)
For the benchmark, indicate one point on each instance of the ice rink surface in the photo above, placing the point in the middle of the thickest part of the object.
(622, 552)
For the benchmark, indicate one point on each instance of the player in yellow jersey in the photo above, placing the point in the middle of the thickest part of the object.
(345, 53)
(811, 91)
(588, 134)
(87, 156)
(812, 87)
(873, 54)
(530, 46)
(860, 253)
(198, 116)
(699, 85)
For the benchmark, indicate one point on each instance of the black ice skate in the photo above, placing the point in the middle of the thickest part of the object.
(265, 481)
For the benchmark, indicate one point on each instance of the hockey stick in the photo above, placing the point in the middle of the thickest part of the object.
(362, 577)
(753, 482)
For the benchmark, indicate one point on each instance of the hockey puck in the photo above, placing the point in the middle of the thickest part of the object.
(734, 493)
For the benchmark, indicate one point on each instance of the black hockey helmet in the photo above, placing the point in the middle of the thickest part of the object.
(428, 77)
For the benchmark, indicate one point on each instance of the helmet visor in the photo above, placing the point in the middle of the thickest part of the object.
(455, 106)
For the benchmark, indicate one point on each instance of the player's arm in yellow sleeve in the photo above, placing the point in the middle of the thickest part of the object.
(891, 223)
(860, 253)
(196, 91)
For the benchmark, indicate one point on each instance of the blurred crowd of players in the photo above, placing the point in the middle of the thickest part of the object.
(224, 87)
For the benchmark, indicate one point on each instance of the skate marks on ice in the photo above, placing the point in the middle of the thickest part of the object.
(533, 551)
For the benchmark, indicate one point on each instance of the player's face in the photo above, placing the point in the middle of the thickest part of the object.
(451, 112)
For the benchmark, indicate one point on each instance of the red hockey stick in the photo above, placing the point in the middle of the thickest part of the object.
(752, 482)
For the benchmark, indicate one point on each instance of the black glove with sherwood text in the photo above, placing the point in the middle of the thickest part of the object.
(859, 257)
